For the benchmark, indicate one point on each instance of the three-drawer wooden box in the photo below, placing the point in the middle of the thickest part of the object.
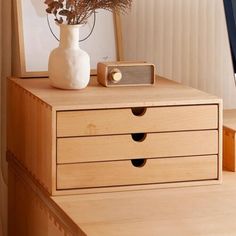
(113, 139)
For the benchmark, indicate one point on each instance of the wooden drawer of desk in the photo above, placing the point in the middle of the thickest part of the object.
(124, 173)
(118, 147)
(136, 120)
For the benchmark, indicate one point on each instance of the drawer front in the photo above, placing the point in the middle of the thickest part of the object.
(124, 173)
(118, 147)
(136, 120)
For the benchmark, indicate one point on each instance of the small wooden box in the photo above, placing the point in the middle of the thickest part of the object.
(116, 74)
(229, 141)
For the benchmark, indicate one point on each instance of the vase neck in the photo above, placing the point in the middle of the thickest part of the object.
(69, 36)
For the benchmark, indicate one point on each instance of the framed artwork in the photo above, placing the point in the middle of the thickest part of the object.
(36, 35)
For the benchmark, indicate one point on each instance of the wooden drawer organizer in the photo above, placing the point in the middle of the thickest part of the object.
(75, 142)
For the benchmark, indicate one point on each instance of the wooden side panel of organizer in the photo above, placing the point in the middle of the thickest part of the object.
(30, 134)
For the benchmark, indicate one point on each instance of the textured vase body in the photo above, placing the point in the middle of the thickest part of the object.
(69, 65)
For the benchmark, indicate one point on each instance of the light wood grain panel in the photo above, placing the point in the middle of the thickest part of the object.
(229, 145)
(220, 147)
(118, 121)
(121, 147)
(196, 211)
(30, 134)
(87, 175)
(229, 141)
(95, 96)
(32, 212)
(187, 40)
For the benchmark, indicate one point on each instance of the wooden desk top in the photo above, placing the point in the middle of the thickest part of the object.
(95, 96)
(192, 211)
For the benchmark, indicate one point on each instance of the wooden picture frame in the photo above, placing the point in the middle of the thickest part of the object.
(30, 59)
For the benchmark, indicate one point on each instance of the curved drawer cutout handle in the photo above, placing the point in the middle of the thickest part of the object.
(139, 137)
(139, 111)
(139, 163)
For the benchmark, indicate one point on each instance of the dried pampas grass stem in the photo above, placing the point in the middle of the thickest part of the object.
(75, 12)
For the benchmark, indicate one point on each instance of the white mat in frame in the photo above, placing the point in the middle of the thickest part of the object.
(35, 41)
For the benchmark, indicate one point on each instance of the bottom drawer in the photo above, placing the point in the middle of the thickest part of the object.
(139, 171)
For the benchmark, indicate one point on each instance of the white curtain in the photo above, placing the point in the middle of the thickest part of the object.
(5, 70)
(186, 39)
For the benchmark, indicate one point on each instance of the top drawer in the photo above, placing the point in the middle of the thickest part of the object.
(136, 120)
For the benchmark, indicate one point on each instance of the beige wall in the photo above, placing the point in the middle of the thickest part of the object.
(186, 39)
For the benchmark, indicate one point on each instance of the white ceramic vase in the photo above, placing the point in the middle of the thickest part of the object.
(69, 65)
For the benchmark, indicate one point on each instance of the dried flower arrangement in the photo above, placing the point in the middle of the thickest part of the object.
(73, 12)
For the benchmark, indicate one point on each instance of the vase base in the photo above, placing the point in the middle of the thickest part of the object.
(67, 87)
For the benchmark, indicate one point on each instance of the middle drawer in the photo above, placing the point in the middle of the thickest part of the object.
(122, 147)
